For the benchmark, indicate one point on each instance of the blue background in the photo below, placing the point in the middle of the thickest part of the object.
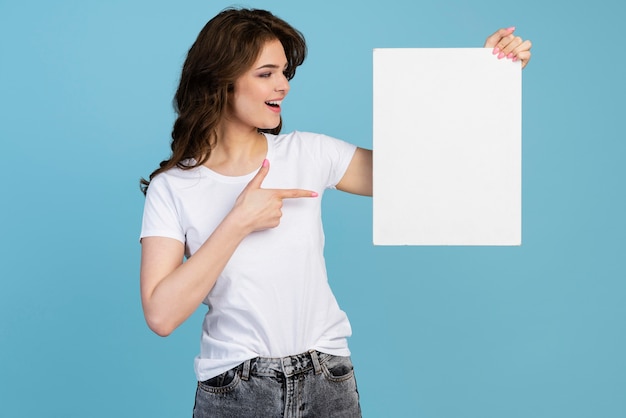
(439, 332)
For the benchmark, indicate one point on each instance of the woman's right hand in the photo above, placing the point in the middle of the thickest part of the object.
(257, 208)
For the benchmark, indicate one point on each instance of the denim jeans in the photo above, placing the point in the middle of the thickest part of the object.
(311, 384)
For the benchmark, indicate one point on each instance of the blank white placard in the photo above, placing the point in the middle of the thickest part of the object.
(447, 147)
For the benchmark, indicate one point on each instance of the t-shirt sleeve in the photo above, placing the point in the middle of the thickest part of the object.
(160, 214)
(338, 155)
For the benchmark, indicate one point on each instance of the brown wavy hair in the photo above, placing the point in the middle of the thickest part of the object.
(225, 49)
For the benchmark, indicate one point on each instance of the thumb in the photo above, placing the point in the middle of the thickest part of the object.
(257, 180)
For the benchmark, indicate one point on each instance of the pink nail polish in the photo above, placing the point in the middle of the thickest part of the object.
(314, 194)
(501, 55)
(514, 59)
(265, 163)
(511, 29)
(495, 50)
(510, 55)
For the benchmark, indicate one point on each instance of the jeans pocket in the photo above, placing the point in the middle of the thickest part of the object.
(221, 383)
(338, 369)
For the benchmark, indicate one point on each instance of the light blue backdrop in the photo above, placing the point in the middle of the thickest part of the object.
(535, 331)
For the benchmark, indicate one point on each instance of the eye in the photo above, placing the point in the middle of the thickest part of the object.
(265, 75)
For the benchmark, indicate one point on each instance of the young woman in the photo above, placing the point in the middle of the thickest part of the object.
(243, 204)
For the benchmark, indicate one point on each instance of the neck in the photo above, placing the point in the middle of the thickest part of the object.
(237, 151)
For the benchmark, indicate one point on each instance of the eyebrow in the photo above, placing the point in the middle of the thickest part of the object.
(271, 66)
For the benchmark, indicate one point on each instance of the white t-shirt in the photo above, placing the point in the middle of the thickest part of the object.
(272, 299)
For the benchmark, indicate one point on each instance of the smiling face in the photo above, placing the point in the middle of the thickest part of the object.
(257, 95)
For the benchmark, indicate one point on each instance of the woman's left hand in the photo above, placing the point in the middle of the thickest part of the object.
(506, 44)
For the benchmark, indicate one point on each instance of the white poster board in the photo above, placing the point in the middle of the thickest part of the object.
(447, 147)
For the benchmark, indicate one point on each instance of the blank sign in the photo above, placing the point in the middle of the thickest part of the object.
(447, 147)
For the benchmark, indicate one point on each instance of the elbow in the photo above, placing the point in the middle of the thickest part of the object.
(161, 331)
(160, 326)
(157, 317)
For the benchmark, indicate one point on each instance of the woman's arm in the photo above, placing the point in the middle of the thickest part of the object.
(172, 290)
(358, 176)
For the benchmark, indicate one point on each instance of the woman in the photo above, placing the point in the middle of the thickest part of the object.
(243, 204)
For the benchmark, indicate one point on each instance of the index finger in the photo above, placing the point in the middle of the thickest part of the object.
(493, 40)
(294, 193)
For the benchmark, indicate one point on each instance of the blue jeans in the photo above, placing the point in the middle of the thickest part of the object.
(311, 384)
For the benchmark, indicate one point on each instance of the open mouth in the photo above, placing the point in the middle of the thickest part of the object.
(274, 103)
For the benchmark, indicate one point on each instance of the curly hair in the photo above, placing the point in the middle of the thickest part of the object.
(226, 48)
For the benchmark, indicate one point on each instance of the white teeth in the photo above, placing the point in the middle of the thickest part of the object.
(275, 102)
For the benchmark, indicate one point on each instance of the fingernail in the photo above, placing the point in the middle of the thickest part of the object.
(495, 50)
(501, 55)
(314, 194)
(510, 55)
(511, 29)
(265, 163)
(514, 59)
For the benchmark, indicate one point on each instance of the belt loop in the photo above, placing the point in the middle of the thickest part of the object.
(245, 373)
(316, 362)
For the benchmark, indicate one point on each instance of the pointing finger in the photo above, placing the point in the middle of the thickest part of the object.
(294, 193)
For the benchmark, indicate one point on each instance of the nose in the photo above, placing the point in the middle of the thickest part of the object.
(283, 84)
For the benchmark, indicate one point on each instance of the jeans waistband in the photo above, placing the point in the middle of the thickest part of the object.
(287, 366)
